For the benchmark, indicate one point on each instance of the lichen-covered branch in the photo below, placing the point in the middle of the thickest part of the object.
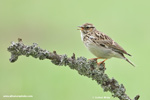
(84, 67)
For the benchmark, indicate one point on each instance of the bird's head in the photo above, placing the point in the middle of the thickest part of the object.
(86, 28)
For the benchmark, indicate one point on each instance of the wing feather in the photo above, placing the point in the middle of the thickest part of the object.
(107, 42)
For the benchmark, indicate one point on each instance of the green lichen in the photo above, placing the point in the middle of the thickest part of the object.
(84, 67)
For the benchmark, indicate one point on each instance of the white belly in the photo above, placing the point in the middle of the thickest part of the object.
(102, 52)
(99, 51)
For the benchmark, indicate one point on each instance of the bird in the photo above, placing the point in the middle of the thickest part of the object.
(101, 45)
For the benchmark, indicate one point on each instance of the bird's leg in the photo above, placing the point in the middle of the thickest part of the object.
(101, 62)
(95, 58)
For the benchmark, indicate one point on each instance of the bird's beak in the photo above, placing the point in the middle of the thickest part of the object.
(80, 28)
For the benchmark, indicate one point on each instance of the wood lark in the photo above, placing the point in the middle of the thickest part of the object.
(101, 45)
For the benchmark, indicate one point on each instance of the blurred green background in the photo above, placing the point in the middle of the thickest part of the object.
(53, 25)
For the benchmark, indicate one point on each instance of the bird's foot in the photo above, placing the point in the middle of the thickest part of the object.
(95, 59)
(101, 62)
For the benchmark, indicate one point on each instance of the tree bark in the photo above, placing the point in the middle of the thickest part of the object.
(84, 67)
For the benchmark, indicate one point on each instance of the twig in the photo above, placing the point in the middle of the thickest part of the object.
(81, 64)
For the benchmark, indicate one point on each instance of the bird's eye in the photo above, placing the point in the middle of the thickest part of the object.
(87, 27)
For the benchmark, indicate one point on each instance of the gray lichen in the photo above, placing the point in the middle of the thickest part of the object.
(84, 67)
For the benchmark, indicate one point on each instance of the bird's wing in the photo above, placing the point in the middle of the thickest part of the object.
(107, 42)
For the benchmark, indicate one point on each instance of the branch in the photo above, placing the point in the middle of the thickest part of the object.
(81, 64)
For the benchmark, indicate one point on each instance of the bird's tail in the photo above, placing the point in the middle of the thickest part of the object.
(129, 61)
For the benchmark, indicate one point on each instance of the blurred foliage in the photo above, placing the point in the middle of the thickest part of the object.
(53, 24)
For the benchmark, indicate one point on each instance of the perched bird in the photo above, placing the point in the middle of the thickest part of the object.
(101, 45)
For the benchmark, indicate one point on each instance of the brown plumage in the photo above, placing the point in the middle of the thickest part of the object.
(100, 44)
